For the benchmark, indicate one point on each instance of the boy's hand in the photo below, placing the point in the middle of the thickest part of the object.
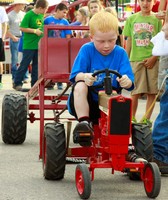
(124, 81)
(89, 79)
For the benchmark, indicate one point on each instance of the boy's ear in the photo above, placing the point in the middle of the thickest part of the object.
(91, 38)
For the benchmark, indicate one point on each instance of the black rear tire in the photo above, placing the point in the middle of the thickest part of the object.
(54, 151)
(14, 119)
(142, 140)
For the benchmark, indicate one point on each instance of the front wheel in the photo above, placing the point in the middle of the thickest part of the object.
(152, 180)
(54, 151)
(83, 181)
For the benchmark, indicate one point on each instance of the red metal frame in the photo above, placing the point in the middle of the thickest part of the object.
(56, 57)
(106, 151)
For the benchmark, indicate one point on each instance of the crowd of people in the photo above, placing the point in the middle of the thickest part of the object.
(141, 70)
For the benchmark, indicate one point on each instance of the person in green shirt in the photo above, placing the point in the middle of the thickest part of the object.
(139, 29)
(32, 25)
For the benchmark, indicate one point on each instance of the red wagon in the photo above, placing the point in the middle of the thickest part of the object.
(111, 135)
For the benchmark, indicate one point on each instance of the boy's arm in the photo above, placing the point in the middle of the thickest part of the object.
(31, 30)
(128, 45)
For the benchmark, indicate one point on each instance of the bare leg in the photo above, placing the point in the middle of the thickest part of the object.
(134, 103)
(150, 99)
(80, 100)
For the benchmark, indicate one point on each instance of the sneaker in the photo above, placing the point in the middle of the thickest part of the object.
(25, 81)
(1, 86)
(50, 86)
(83, 133)
(59, 86)
(134, 120)
(148, 122)
(133, 157)
(163, 167)
(17, 87)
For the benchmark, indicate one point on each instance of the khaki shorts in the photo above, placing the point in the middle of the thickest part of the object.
(146, 80)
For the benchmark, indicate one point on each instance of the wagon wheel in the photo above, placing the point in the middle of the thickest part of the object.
(14, 119)
(152, 180)
(54, 151)
(83, 181)
(142, 140)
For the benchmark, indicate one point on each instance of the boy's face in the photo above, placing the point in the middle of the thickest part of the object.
(62, 13)
(42, 10)
(146, 5)
(104, 42)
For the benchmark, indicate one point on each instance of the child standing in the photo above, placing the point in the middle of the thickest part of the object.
(58, 18)
(140, 28)
(32, 26)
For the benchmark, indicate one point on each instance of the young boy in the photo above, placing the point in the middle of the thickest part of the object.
(99, 54)
(139, 29)
(58, 18)
(32, 26)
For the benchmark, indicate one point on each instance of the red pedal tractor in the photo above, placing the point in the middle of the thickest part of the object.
(111, 135)
(109, 146)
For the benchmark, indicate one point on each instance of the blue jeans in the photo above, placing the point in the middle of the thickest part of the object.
(14, 56)
(160, 130)
(28, 56)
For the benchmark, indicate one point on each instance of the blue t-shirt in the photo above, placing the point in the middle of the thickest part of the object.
(50, 20)
(89, 60)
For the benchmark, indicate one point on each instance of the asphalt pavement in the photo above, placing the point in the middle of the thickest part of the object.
(21, 173)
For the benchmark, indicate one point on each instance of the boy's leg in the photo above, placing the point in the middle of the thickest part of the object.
(14, 57)
(160, 134)
(34, 73)
(2, 58)
(83, 132)
(19, 76)
(135, 98)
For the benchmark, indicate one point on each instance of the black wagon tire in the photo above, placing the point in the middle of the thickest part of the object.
(152, 180)
(14, 119)
(83, 181)
(142, 140)
(54, 151)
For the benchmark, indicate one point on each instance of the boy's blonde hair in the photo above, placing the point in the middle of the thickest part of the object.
(104, 22)
(111, 10)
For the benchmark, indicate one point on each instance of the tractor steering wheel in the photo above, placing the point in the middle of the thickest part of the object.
(107, 79)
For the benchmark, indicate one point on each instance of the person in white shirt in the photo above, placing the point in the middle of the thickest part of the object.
(3, 29)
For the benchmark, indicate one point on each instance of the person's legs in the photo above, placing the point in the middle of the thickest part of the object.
(20, 55)
(14, 57)
(150, 99)
(135, 98)
(1, 71)
(80, 100)
(160, 135)
(34, 73)
(19, 76)
(79, 103)
(2, 58)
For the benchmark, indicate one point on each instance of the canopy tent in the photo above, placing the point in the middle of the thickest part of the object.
(7, 2)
